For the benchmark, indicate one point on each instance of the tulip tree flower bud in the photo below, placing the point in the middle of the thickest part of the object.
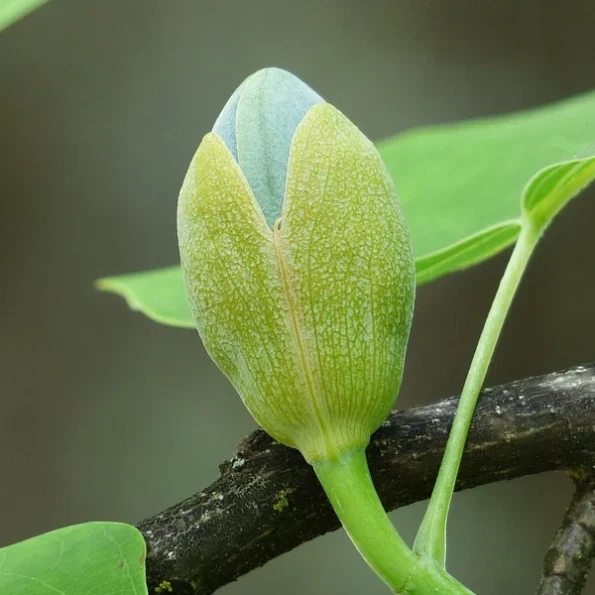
(298, 265)
(301, 281)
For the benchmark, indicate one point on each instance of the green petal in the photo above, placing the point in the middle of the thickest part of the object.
(350, 273)
(234, 290)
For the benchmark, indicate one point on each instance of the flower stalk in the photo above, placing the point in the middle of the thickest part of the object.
(351, 492)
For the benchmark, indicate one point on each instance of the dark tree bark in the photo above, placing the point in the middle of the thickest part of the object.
(267, 500)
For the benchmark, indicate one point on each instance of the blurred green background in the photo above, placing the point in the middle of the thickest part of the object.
(106, 415)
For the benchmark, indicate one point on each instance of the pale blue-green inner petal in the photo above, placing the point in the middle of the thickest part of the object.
(267, 112)
(225, 125)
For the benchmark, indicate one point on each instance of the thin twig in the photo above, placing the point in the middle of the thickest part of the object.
(568, 560)
(267, 500)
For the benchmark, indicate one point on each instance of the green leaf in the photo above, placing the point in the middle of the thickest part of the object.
(475, 248)
(464, 189)
(87, 559)
(13, 10)
(159, 294)
(460, 180)
(551, 189)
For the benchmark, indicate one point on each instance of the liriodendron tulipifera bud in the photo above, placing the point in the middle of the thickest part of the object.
(301, 281)
(298, 265)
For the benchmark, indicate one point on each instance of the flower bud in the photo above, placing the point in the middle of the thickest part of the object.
(298, 265)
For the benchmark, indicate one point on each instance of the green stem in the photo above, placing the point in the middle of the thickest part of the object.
(350, 489)
(430, 542)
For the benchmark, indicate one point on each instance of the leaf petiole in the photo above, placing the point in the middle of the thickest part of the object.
(430, 542)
